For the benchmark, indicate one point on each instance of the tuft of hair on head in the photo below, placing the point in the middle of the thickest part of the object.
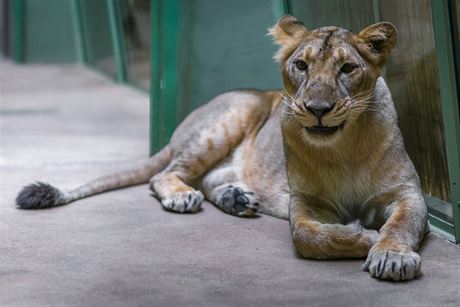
(39, 195)
(288, 33)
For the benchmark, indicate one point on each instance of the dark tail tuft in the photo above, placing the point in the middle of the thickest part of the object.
(39, 196)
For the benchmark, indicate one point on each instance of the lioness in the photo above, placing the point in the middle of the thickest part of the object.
(343, 177)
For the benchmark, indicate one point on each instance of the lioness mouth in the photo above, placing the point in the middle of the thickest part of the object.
(324, 130)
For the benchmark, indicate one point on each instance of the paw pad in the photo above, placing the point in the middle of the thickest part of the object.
(238, 202)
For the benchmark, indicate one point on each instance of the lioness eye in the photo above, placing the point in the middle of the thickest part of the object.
(301, 65)
(348, 68)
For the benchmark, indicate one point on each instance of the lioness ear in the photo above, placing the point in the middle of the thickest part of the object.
(288, 33)
(376, 42)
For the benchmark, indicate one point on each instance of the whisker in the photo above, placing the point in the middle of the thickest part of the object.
(369, 92)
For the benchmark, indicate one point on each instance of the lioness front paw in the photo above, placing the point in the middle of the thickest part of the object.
(392, 265)
(238, 202)
(183, 202)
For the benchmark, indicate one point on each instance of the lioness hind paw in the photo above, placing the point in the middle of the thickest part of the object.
(183, 202)
(238, 202)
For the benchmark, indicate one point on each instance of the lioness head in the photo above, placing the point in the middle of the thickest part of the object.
(329, 74)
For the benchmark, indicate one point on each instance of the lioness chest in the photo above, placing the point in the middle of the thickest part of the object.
(260, 162)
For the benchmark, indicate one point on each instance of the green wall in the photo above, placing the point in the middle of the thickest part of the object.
(202, 48)
(48, 31)
(96, 35)
(224, 46)
(354, 15)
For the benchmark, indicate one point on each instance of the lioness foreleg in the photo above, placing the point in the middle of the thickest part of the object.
(318, 233)
(393, 256)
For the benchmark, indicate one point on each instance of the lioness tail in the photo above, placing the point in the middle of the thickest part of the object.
(40, 195)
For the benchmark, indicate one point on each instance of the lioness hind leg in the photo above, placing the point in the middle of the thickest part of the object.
(174, 194)
(235, 199)
(223, 189)
(205, 138)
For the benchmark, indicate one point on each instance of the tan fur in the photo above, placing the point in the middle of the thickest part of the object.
(342, 177)
(362, 172)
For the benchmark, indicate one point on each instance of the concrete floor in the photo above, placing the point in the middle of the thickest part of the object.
(66, 125)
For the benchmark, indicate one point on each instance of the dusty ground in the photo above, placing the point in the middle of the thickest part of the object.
(66, 125)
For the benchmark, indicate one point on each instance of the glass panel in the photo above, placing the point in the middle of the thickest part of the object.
(136, 29)
(224, 46)
(354, 15)
(412, 75)
(96, 29)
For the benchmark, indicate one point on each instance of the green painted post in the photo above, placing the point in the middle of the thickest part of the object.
(118, 42)
(78, 31)
(18, 30)
(377, 18)
(454, 10)
(165, 71)
(376, 10)
(281, 8)
(450, 104)
(155, 77)
(170, 78)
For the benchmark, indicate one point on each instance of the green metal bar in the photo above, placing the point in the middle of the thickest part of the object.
(281, 8)
(170, 78)
(5, 20)
(164, 87)
(79, 31)
(454, 22)
(442, 227)
(119, 47)
(376, 10)
(288, 6)
(377, 18)
(449, 98)
(155, 77)
(19, 21)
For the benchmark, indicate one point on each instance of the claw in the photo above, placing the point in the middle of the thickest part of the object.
(183, 202)
(385, 264)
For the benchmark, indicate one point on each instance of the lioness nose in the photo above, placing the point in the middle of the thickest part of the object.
(318, 108)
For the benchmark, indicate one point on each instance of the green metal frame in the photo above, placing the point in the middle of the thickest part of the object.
(5, 18)
(116, 33)
(18, 30)
(165, 84)
(376, 10)
(164, 79)
(454, 24)
(155, 112)
(118, 40)
(79, 31)
(281, 8)
(450, 104)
